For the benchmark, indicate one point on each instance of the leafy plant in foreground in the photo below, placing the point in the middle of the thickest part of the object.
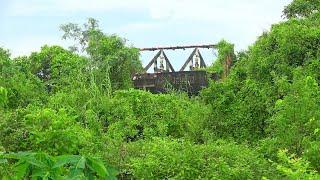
(42, 166)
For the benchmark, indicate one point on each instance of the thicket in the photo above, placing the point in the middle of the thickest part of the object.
(65, 115)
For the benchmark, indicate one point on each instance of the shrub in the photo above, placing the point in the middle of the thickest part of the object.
(293, 167)
(56, 132)
(179, 159)
(136, 114)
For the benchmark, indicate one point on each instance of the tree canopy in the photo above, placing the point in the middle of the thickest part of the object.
(301, 8)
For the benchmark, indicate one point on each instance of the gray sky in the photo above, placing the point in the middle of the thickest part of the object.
(26, 25)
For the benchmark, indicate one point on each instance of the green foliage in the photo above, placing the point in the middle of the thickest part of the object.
(239, 110)
(136, 114)
(12, 131)
(272, 96)
(297, 118)
(70, 108)
(4, 59)
(3, 96)
(42, 166)
(112, 60)
(57, 67)
(295, 168)
(287, 46)
(301, 8)
(22, 87)
(56, 132)
(246, 100)
(178, 159)
(80, 34)
(225, 50)
(122, 62)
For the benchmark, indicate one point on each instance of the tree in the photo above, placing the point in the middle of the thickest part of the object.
(108, 53)
(296, 119)
(58, 68)
(301, 8)
(244, 102)
(80, 35)
(4, 58)
(22, 87)
(225, 59)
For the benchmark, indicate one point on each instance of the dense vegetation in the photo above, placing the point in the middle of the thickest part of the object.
(70, 116)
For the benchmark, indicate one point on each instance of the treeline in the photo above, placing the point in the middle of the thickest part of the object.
(65, 115)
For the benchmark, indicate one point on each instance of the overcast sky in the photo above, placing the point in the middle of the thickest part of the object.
(26, 25)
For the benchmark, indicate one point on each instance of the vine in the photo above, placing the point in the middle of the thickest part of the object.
(225, 59)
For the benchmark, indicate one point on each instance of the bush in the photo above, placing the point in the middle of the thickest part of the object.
(293, 167)
(296, 120)
(56, 132)
(136, 114)
(179, 159)
(47, 130)
(243, 103)
(3, 97)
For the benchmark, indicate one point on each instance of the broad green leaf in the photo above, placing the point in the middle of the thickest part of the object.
(81, 164)
(65, 159)
(76, 174)
(97, 166)
(112, 171)
(21, 170)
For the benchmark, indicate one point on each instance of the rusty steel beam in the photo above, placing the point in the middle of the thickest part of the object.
(202, 63)
(178, 47)
(167, 61)
(188, 60)
(152, 61)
